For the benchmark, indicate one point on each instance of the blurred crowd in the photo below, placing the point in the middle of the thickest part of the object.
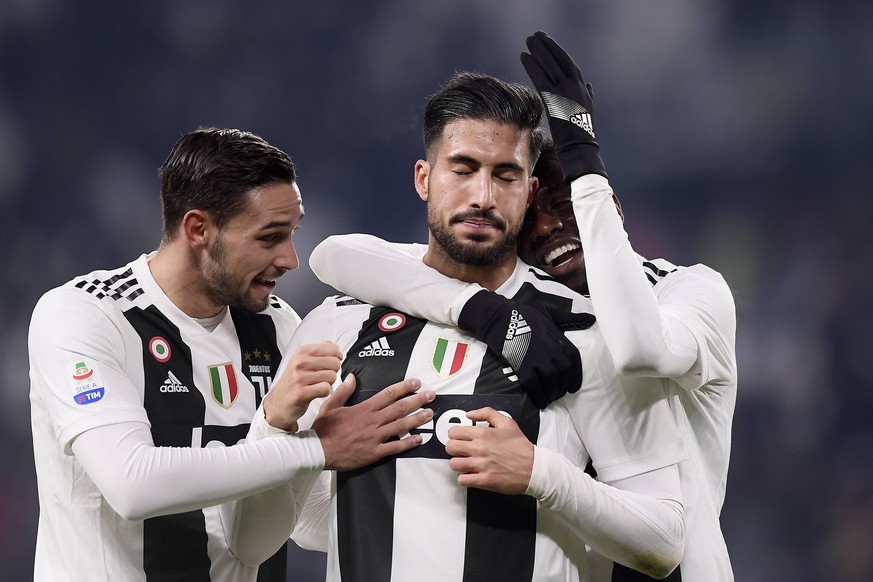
(734, 132)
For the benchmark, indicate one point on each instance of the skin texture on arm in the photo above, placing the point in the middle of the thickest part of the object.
(637, 521)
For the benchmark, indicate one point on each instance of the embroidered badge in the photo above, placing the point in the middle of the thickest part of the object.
(222, 378)
(449, 356)
(85, 381)
(392, 322)
(160, 348)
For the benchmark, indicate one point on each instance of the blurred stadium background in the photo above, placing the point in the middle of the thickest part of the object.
(734, 132)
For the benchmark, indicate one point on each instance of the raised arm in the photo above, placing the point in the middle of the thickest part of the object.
(656, 323)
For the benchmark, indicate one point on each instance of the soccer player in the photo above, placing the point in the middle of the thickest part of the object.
(144, 379)
(668, 329)
(408, 518)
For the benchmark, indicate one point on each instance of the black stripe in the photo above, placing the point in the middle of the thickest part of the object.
(174, 546)
(275, 569)
(659, 272)
(365, 498)
(624, 574)
(501, 529)
(259, 354)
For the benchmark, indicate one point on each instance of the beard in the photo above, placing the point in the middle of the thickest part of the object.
(223, 286)
(470, 253)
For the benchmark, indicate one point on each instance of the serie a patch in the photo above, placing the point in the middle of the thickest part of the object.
(85, 381)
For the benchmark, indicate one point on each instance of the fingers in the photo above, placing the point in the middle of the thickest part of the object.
(489, 415)
(341, 395)
(390, 395)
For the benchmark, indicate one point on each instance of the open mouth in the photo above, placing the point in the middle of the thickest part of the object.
(562, 254)
(269, 284)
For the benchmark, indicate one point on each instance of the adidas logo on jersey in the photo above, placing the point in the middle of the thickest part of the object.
(172, 384)
(379, 347)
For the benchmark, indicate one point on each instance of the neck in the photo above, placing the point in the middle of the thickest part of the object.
(178, 273)
(488, 276)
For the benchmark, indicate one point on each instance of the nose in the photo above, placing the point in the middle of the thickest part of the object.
(544, 224)
(483, 197)
(287, 259)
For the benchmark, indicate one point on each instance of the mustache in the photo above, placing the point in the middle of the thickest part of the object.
(485, 215)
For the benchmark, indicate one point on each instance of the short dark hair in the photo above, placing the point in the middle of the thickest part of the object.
(548, 167)
(469, 95)
(212, 169)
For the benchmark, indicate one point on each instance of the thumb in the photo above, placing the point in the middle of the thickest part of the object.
(489, 415)
(341, 395)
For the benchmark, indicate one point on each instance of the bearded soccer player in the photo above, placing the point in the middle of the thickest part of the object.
(144, 379)
(669, 329)
(408, 518)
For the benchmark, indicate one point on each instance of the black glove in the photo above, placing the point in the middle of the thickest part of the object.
(531, 339)
(569, 104)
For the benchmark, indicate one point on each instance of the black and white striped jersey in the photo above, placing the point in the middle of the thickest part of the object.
(113, 348)
(406, 518)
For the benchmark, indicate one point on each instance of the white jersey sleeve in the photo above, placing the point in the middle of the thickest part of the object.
(260, 524)
(74, 346)
(110, 436)
(631, 522)
(680, 327)
(367, 267)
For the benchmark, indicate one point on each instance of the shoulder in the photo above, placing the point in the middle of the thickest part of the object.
(665, 275)
(282, 312)
(102, 289)
(531, 285)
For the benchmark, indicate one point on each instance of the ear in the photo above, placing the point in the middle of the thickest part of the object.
(532, 188)
(618, 207)
(422, 170)
(197, 229)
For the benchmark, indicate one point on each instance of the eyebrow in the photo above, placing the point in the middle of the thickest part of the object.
(465, 159)
(276, 224)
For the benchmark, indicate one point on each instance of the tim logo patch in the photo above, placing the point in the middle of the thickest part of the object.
(85, 381)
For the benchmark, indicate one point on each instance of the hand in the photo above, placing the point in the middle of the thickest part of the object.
(569, 104)
(498, 458)
(531, 339)
(310, 373)
(355, 436)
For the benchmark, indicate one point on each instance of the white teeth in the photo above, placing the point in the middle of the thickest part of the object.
(555, 253)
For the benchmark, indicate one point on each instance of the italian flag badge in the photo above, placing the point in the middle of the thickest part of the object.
(222, 378)
(449, 356)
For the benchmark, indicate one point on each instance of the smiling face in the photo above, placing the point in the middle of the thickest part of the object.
(253, 249)
(477, 184)
(550, 238)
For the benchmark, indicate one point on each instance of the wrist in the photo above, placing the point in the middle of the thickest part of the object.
(581, 159)
(276, 421)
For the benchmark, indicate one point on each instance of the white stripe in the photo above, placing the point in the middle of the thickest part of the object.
(428, 514)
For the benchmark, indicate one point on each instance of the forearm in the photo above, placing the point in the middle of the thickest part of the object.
(642, 338)
(638, 522)
(312, 529)
(140, 480)
(258, 525)
(382, 273)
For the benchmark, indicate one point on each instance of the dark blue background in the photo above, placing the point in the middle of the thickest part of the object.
(736, 134)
